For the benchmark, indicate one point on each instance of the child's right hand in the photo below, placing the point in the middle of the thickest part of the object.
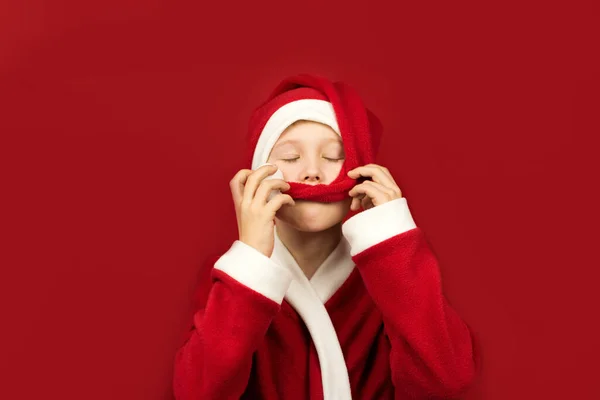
(255, 214)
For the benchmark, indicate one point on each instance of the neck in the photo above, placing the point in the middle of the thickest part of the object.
(309, 249)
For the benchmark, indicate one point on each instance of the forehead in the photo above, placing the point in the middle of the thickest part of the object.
(308, 132)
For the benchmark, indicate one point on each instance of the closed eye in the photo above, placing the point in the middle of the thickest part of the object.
(291, 160)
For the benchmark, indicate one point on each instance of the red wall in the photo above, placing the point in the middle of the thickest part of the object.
(121, 124)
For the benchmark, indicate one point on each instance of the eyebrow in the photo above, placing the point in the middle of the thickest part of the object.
(295, 141)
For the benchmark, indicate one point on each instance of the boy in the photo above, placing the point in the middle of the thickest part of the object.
(318, 299)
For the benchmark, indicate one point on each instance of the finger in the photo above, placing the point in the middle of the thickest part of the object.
(384, 189)
(376, 173)
(236, 184)
(254, 179)
(356, 201)
(392, 185)
(366, 203)
(265, 188)
(381, 188)
(376, 192)
(386, 172)
(278, 201)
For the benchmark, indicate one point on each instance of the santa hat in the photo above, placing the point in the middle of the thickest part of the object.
(314, 98)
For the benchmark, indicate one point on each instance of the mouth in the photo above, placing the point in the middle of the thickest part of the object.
(301, 201)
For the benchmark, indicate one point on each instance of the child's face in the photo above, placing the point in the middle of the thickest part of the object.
(310, 153)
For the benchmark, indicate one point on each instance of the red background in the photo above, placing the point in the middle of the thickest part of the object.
(122, 123)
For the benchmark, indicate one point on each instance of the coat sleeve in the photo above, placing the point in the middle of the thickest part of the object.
(232, 317)
(432, 352)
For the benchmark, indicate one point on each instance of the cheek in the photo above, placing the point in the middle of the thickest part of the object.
(290, 171)
(283, 167)
(333, 171)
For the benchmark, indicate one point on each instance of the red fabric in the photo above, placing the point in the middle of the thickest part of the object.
(360, 129)
(400, 337)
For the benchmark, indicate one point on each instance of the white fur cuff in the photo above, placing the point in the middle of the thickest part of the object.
(377, 224)
(253, 269)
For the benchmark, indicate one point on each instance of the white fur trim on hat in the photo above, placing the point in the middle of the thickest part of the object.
(307, 109)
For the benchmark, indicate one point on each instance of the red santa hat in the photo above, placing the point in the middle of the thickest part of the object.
(314, 98)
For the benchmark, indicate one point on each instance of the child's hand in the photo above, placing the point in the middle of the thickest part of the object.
(255, 213)
(380, 189)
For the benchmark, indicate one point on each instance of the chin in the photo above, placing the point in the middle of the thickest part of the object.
(313, 216)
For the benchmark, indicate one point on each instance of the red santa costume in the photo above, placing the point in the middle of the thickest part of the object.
(372, 323)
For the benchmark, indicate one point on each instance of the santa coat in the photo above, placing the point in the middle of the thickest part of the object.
(372, 323)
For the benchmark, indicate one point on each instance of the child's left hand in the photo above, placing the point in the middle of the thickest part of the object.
(381, 189)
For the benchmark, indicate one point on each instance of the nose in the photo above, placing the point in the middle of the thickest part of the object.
(312, 175)
(312, 178)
